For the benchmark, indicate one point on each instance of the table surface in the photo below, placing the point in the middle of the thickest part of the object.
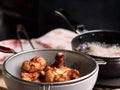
(2, 83)
(58, 38)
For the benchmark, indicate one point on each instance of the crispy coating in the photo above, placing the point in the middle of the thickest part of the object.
(60, 74)
(30, 76)
(35, 64)
(37, 70)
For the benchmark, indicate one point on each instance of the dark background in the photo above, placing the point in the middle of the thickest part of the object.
(38, 15)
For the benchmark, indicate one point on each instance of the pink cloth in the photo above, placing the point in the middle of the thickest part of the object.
(57, 38)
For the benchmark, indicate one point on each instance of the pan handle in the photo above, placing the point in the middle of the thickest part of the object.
(21, 29)
(81, 29)
(101, 62)
(58, 13)
(77, 29)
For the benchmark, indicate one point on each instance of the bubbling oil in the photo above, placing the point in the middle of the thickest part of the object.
(100, 49)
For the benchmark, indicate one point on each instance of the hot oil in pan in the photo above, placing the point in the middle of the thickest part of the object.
(100, 49)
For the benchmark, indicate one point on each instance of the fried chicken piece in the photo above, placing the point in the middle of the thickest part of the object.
(37, 70)
(58, 72)
(35, 64)
(25, 66)
(31, 76)
(58, 60)
(26, 76)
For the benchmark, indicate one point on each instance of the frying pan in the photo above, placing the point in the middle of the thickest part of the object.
(110, 66)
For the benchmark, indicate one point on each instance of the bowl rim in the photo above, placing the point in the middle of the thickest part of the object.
(7, 74)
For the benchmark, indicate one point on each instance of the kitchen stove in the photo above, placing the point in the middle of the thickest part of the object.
(107, 84)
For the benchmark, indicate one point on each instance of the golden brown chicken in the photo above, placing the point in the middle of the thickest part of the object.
(58, 72)
(35, 64)
(38, 70)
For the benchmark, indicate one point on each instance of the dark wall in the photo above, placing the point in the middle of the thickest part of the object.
(14, 12)
(94, 14)
(39, 17)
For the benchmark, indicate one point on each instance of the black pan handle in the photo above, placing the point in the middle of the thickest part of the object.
(21, 29)
(77, 29)
(81, 29)
(58, 13)
(101, 62)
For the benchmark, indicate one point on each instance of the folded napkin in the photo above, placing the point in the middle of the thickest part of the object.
(58, 38)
